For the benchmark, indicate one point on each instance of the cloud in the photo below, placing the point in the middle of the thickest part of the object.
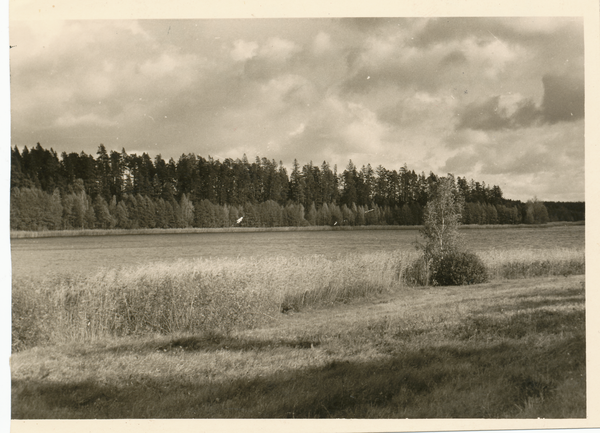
(537, 149)
(462, 163)
(274, 57)
(522, 30)
(336, 130)
(89, 119)
(484, 116)
(298, 130)
(518, 160)
(95, 74)
(466, 138)
(563, 98)
(492, 114)
(322, 44)
(243, 50)
(278, 49)
(393, 60)
(456, 57)
(563, 101)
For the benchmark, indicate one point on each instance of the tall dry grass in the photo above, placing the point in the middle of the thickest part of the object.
(220, 295)
(525, 263)
(216, 295)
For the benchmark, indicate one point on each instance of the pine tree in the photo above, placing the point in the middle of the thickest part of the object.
(297, 186)
(103, 171)
(349, 189)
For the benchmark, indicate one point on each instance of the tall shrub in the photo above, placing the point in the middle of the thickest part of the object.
(442, 217)
(443, 260)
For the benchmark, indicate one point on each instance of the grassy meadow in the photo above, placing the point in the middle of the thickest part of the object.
(506, 349)
(43, 257)
(302, 336)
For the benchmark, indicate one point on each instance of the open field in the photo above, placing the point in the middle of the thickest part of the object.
(506, 349)
(23, 234)
(54, 256)
(292, 334)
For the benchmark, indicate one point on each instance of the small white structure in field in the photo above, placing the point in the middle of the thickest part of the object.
(239, 220)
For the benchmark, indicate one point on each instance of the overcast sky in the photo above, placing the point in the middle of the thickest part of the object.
(496, 100)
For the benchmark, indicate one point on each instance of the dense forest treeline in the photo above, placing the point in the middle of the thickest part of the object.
(118, 190)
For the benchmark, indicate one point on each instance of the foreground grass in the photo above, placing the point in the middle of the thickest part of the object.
(506, 349)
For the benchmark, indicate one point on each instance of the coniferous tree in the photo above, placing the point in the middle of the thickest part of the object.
(406, 216)
(251, 216)
(324, 216)
(336, 214)
(204, 215)
(234, 215)
(104, 219)
(349, 185)
(116, 174)
(297, 187)
(103, 171)
(311, 216)
(121, 216)
(360, 216)
(392, 197)
(348, 217)
(187, 211)
(160, 220)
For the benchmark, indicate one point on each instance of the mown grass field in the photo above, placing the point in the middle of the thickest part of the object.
(307, 336)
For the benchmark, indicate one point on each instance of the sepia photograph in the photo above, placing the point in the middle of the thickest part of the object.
(298, 217)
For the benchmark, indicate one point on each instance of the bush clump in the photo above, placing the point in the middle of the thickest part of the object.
(416, 274)
(454, 268)
(444, 261)
(458, 269)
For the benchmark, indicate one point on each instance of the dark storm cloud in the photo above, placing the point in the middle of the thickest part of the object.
(563, 98)
(484, 116)
(563, 101)
(524, 31)
(491, 116)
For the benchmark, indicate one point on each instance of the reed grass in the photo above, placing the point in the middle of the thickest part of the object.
(221, 295)
(529, 263)
(201, 295)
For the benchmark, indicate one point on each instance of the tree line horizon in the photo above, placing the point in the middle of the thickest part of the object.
(129, 191)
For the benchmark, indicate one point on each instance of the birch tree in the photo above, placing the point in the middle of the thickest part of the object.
(442, 217)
